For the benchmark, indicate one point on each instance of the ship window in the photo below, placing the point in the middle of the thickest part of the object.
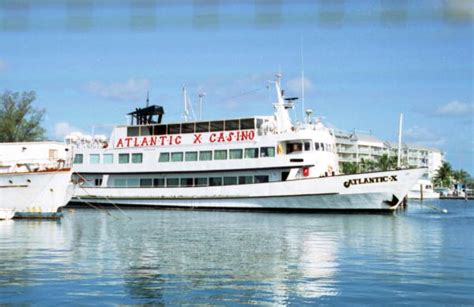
(259, 123)
(146, 130)
(217, 126)
(220, 154)
(200, 182)
(176, 156)
(133, 183)
(231, 125)
(78, 159)
(214, 181)
(247, 123)
(293, 148)
(137, 158)
(202, 127)
(187, 128)
(316, 146)
(322, 147)
(205, 155)
(191, 156)
(120, 183)
(261, 179)
(267, 151)
(133, 131)
(172, 182)
(159, 129)
(124, 158)
(245, 179)
(164, 157)
(158, 182)
(235, 154)
(94, 158)
(174, 129)
(108, 158)
(186, 182)
(307, 146)
(98, 182)
(146, 182)
(251, 153)
(230, 180)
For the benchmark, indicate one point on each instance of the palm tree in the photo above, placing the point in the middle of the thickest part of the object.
(349, 167)
(385, 163)
(443, 175)
(461, 176)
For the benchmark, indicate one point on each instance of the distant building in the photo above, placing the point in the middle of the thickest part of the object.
(357, 146)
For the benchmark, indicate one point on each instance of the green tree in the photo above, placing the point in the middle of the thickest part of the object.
(349, 167)
(19, 120)
(385, 163)
(461, 176)
(443, 175)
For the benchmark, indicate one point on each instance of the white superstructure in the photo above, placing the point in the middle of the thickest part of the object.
(262, 162)
(35, 179)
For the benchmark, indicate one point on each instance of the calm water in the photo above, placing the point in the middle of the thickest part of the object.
(178, 257)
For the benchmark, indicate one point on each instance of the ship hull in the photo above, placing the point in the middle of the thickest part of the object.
(378, 191)
(36, 194)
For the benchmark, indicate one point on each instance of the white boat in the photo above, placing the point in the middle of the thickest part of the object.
(35, 179)
(423, 189)
(254, 163)
(7, 213)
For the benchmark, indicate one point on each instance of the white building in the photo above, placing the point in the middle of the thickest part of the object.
(357, 146)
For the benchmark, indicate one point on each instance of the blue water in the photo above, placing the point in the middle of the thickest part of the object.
(179, 257)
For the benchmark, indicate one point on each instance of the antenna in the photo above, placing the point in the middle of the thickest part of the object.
(185, 102)
(302, 77)
(201, 95)
(147, 98)
(400, 140)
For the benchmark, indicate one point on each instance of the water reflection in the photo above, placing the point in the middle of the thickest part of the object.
(178, 257)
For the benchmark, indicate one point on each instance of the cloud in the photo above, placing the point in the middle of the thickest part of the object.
(454, 108)
(131, 89)
(423, 136)
(62, 129)
(294, 85)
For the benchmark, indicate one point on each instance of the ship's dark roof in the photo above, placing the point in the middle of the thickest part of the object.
(143, 116)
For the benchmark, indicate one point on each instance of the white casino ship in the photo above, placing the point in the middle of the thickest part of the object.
(261, 163)
(35, 179)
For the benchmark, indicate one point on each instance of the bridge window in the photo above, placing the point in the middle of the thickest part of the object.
(172, 182)
(307, 146)
(187, 182)
(294, 148)
(316, 146)
(164, 157)
(137, 158)
(176, 156)
(231, 125)
(202, 127)
(158, 182)
(245, 179)
(205, 155)
(247, 123)
(220, 154)
(159, 129)
(235, 153)
(78, 159)
(146, 182)
(267, 151)
(230, 180)
(174, 129)
(261, 179)
(124, 158)
(217, 126)
(191, 156)
(187, 128)
(251, 153)
(200, 182)
(133, 131)
(215, 181)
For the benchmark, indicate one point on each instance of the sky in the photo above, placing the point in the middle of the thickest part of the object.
(364, 62)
